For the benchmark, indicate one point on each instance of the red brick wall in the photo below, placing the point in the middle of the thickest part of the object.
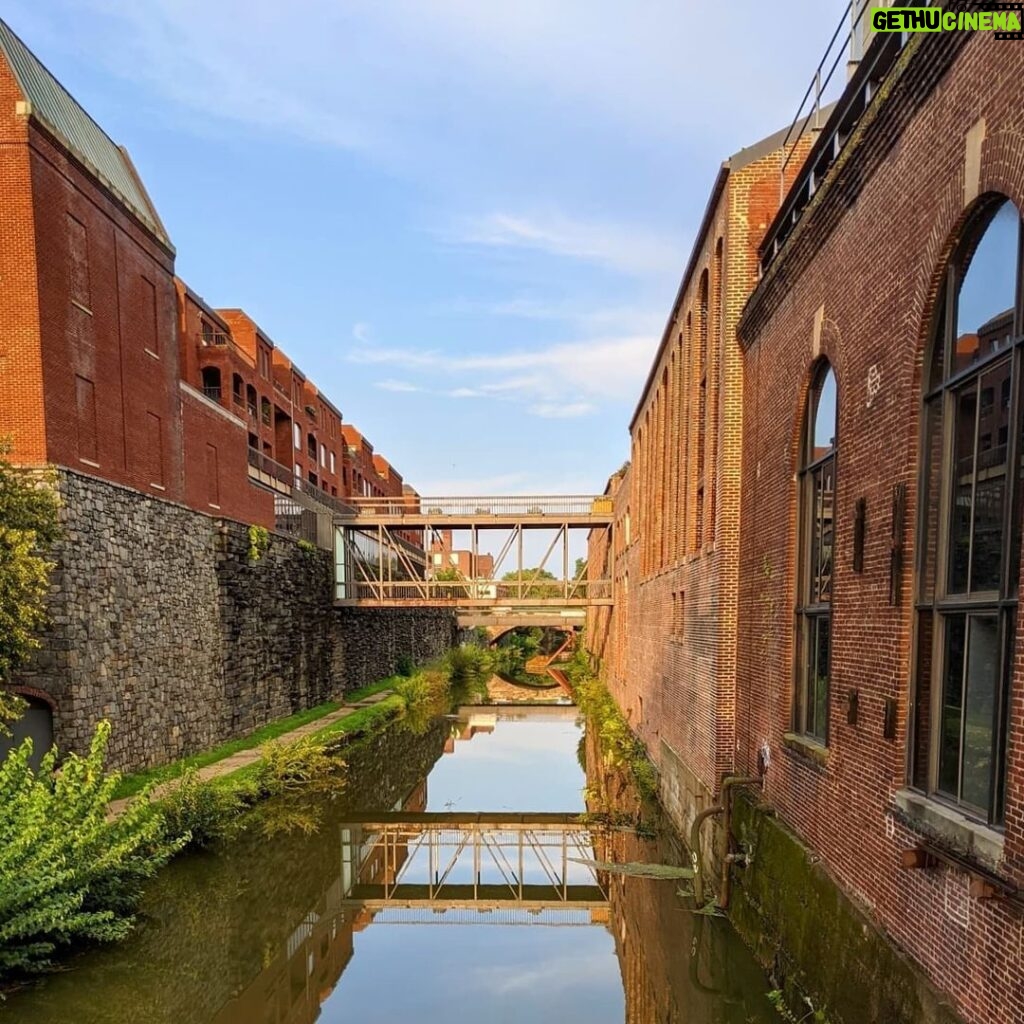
(669, 646)
(873, 278)
(21, 372)
(107, 331)
(216, 467)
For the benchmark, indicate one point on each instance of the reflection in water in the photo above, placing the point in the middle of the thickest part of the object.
(435, 884)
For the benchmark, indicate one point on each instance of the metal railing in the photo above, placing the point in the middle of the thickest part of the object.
(213, 393)
(216, 338)
(265, 464)
(497, 593)
(872, 66)
(518, 505)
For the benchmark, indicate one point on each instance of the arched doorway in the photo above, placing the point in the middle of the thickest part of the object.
(35, 724)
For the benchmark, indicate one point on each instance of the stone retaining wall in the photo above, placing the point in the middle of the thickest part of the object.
(161, 623)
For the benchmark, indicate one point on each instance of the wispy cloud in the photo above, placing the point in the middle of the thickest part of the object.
(628, 249)
(561, 380)
(555, 411)
(397, 386)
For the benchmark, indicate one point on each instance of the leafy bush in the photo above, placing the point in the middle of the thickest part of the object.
(620, 747)
(67, 872)
(469, 670)
(303, 764)
(28, 526)
(405, 666)
(201, 812)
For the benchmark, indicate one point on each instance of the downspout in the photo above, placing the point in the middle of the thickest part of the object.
(730, 857)
(724, 807)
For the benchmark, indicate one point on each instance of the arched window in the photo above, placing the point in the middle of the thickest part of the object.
(817, 526)
(970, 523)
(702, 406)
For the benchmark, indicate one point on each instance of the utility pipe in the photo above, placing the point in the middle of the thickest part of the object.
(728, 784)
(698, 879)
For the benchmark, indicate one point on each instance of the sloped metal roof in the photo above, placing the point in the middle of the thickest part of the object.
(60, 113)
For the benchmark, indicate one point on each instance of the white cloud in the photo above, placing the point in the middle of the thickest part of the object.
(398, 386)
(555, 411)
(361, 333)
(628, 249)
(598, 369)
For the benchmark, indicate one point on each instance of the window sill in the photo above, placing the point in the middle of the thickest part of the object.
(151, 353)
(806, 747)
(949, 827)
(88, 462)
(81, 306)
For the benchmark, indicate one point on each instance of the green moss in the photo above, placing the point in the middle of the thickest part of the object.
(795, 918)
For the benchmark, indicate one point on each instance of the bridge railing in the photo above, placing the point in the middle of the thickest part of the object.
(484, 505)
(495, 592)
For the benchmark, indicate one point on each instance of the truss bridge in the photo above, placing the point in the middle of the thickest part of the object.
(492, 559)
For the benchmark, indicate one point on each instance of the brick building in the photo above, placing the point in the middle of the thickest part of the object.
(676, 560)
(444, 555)
(838, 616)
(111, 366)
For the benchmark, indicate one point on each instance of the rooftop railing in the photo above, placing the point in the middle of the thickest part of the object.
(868, 71)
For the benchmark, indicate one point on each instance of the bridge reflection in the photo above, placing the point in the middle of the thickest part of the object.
(476, 861)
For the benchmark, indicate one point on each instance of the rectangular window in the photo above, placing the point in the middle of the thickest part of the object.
(297, 435)
(149, 335)
(85, 399)
(212, 476)
(80, 288)
(323, 455)
(332, 462)
(298, 473)
(155, 449)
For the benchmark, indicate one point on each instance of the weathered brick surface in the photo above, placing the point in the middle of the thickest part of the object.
(708, 681)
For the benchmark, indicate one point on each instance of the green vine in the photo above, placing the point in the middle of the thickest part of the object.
(307, 547)
(259, 542)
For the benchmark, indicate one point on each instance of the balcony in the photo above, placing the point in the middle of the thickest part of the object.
(213, 393)
(217, 338)
(265, 466)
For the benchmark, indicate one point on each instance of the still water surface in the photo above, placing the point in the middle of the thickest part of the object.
(297, 928)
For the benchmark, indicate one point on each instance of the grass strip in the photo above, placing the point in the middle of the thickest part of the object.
(137, 781)
(354, 726)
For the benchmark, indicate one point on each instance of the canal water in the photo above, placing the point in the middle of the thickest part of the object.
(446, 882)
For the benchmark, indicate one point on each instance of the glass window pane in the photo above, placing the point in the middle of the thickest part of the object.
(963, 488)
(825, 528)
(930, 498)
(952, 705)
(990, 493)
(985, 303)
(818, 675)
(922, 716)
(825, 416)
(979, 709)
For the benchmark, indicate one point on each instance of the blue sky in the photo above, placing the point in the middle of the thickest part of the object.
(464, 220)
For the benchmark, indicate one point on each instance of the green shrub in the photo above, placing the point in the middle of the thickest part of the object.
(69, 874)
(469, 670)
(619, 746)
(303, 764)
(259, 542)
(405, 666)
(201, 812)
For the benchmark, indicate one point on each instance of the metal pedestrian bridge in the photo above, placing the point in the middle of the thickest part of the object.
(492, 559)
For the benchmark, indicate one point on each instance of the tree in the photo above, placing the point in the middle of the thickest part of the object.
(28, 527)
(532, 585)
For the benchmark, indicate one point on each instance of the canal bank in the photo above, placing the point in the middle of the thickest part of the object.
(277, 928)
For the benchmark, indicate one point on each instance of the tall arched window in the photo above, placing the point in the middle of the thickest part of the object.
(970, 523)
(702, 406)
(817, 526)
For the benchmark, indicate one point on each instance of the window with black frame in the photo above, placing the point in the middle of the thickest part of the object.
(817, 525)
(970, 522)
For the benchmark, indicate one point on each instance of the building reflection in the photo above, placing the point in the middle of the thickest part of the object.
(299, 976)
